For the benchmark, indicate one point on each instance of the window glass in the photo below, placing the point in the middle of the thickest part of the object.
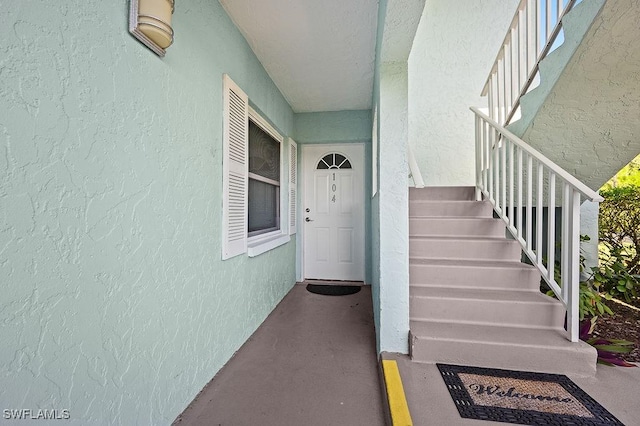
(264, 182)
(264, 207)
(264, 153)
(334, 161)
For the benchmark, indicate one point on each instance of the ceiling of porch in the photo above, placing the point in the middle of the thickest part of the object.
(320, 54)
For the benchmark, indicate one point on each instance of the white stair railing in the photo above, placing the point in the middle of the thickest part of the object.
(531, 35)
(515, 178)
(414, 171)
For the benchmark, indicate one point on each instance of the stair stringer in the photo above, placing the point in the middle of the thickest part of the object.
(588, 123)
(575, 25)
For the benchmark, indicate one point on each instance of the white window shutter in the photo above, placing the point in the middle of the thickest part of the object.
(235, 169)
(293, 186)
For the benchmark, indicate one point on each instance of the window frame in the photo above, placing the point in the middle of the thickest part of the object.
(259, 178)
(236, 113)
(262, 241)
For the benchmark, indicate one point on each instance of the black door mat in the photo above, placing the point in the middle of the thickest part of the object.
(333, 290)
(521, 397)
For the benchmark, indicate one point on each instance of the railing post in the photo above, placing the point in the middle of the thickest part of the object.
(532, 33)
(416, 175)
(485, 156)
(500, 88)
(520, 188)
(529, 216)
(539, 211)
(549, 20)
(478, 160)
(566, 243)
(496, 166)
(551, 226)
(573, 315)
(511, 183)
(503, 175)
(490, 144)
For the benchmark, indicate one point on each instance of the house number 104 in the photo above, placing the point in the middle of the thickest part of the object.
(333, 189)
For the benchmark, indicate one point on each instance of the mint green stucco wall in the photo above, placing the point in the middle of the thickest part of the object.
(338, 127)
(115, 303)
(333, 126)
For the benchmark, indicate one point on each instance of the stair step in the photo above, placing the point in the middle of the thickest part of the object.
(496, 307)
(443, 226)
(465, 248)
(506, 347)
(472, 302)
(421, 208)
(443, 193)
(474, 273)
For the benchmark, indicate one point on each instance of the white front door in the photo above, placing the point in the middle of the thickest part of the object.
(333, 212)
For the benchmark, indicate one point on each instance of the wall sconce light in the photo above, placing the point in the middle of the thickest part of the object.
(150, 22)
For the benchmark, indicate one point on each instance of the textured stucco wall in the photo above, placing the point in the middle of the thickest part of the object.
(453, 51)
(589, 226)
(575, 25)
(332, 126)
(588, 124)
(115, 303)
(397, 23)
(394, 209)
(375, 200)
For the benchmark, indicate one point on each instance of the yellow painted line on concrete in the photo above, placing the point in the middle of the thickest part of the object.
(398, 407)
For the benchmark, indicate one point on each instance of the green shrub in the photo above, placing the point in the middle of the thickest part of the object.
(592, 300)
(592, 303)
(612, 275)
(619, 224)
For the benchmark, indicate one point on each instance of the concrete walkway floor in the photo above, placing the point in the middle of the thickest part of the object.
(312, 362)
(615, 388)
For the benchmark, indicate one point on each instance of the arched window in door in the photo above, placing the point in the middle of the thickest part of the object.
(333, 161)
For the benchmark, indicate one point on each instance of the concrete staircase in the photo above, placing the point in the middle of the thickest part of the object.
(472, 302)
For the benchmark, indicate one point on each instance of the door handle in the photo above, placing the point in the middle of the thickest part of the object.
(306, 219)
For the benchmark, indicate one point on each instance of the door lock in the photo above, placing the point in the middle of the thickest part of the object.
(306, 219)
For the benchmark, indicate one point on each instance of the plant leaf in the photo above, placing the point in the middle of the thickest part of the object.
(613, 348)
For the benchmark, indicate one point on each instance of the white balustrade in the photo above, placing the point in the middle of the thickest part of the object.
(414, 171)
(531, 35)
(514, 177)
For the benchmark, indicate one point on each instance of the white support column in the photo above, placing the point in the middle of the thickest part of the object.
(394, 209)
(589, 211)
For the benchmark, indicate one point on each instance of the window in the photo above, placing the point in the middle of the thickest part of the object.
(253, 166)
(264, 182)
(333, 161)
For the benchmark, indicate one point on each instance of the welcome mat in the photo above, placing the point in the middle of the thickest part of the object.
(521, 397)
